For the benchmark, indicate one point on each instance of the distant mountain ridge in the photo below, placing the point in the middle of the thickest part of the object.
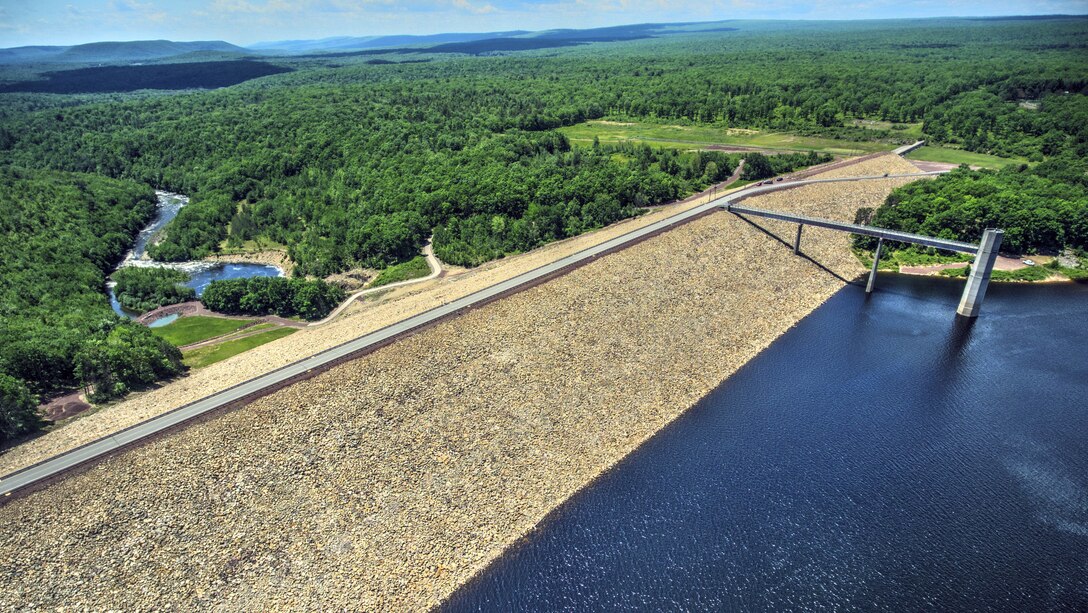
(357, 43)
(450, 42)
(127, 51)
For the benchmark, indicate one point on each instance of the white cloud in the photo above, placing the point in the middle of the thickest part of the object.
(477, 9)
(245, 6)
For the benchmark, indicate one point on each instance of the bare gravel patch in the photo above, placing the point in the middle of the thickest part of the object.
(388, 481)
(871, 167)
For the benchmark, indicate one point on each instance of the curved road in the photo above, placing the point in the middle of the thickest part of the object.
(432, 261)
(285, 375)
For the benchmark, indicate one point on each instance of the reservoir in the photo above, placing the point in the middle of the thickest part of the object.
(201, 273)
(882, 455)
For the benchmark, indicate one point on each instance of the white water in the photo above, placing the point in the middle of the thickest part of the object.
(202, 273)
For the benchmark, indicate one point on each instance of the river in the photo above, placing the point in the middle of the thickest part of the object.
(201, 273)
(882, 455)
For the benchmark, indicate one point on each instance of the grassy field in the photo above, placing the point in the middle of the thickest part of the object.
(188, 330)
(893, 259)
(205, 356)
(958, 156)
(412, 269)
(689, 137)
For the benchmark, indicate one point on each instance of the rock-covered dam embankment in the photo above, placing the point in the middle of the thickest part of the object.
(388, 481)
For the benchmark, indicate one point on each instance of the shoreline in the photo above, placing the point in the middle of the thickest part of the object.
(1055, 277)
(270, 257)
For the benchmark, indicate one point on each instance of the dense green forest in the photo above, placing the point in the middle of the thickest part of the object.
(566, 193)
(131, 78)
(18, 408)
(1041, 209)
(308, 299)
(758, 166)
(62, 234)
(357, 164)
(142, 289)
(351, 163)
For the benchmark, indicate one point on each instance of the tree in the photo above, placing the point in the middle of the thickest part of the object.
(273, 295)
(18, 408)
(757, 166)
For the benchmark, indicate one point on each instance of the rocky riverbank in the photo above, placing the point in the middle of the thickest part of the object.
(275, 258)
(387, 482)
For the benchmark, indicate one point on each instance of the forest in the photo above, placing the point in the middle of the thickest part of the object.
(131, 78)
(352, 164)
(308, 299)
(142, 289)
(62, 235)
(1042, 209)
(317, 159)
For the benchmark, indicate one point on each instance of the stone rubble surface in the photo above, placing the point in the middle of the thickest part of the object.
(387, 482)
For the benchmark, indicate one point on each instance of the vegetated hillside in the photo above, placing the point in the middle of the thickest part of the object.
(1041, 209)
(33, 53)
(60, 235)
(127, 51)
(500, 42)
(202, 75)
(346, 43)
(357, 165)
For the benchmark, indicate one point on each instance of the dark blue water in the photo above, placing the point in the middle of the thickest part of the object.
(201, 273)
(880, 456)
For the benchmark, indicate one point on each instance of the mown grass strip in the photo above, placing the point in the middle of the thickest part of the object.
(688, 137)
(205, 356)
(189, 330)
(958, 156)
(414, 268)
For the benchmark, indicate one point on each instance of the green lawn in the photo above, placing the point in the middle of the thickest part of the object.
(893, 259)
(204, 356)
(689, 137)
(189, 330)
(958, 156)
(1032, 273)
(412, 269)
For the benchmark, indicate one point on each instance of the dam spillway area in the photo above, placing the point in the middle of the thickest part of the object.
(389, 481)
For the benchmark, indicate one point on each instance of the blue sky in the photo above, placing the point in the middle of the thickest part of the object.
(63, 22)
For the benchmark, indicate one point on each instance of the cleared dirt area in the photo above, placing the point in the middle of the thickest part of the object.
(387, 482)
(930, 166)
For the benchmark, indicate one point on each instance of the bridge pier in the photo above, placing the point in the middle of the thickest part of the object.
(985, 253)
(876, 262)
(979, 280)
